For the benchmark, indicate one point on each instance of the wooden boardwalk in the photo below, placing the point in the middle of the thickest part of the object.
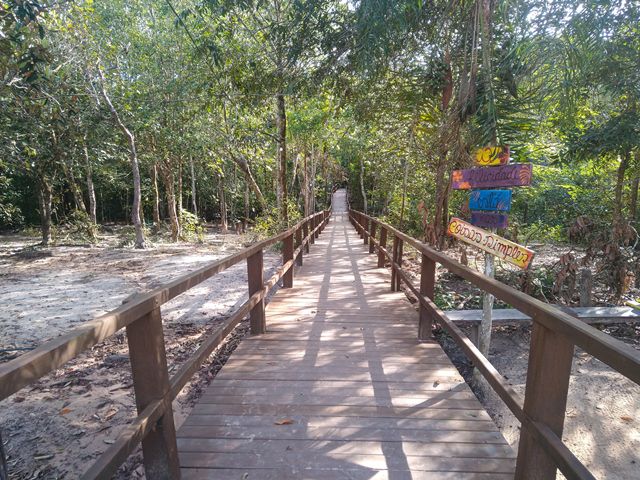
(339, 387)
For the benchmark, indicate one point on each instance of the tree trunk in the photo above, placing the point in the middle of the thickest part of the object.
(223, 205)
(305, 185)
(169, 185)
(76, 191)
(248, 176)
(46, 196)
(193, 186)
(156, 195)
(362, 190)
(90, 188)
(281, 124)
(247, 208)
(404, 192)
(179, 189)
(624, 163)
(135, 169)
(633, 201)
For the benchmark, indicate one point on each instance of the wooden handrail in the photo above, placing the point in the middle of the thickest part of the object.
(154, 396)
(542, 410)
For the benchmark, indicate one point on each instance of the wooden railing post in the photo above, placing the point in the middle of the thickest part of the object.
(298, 243)
(372, 236)
(394, 257)
(399, 262)
(545, 401)
(305, 234)
(150, 383)
(383, 244)
(255, 280)
(427, 289)
(317, 225)
(365, 229)
(312, 225)
(287, 254)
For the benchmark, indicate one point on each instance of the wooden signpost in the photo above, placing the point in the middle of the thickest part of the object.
(517, 175)
(490, 243)
(492, 156)
(489, 220)
(493, 200)
(485, 206)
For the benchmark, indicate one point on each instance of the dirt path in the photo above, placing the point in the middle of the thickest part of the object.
(56, 427)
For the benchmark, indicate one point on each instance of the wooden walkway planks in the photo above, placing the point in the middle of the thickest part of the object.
(339, 387)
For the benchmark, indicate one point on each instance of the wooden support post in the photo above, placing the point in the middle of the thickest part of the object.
(365, 230)
(312, 225)
(298, 243)
(372, 236)
(545, 399)
(586, 287)
(399, 262)
(305, 233)
(255, 278)
(394, 257)
(151, 382)
(427, 289)
(383, 244)
(287, 254)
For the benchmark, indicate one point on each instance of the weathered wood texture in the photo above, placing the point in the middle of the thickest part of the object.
(340, 387)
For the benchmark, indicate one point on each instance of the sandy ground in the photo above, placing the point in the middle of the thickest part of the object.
(57, 426)
(602, 426)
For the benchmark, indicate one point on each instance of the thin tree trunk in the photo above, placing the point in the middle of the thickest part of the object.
(281, 125)
(633, 201)
(179, 189)
(305, 186)
(624, 163)
(223, 205)
(90, 187)
(362, 190)
(73, 186)
(135, 169)
(404, 191)
(156, 195)
(169, 185)
(194, 203)
(247, 207)
(46, 196)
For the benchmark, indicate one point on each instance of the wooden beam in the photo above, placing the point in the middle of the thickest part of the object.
(550, 359)
(151, 383)
(255, 280)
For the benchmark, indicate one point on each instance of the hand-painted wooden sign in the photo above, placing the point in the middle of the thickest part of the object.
(491, 243)
(492, 156)
(489, 220)
(496, 200)
(516, 175)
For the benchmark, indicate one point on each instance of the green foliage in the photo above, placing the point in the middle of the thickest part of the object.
(192, 229)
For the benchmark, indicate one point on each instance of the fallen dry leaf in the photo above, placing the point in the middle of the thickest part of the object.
(626, 419)
(285, 421)
(64, 411)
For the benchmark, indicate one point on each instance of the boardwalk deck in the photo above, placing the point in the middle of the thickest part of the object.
(339, 387)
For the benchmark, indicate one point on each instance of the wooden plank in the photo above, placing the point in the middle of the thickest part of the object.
(589, 315)
(516, 175)
(489, 219)
(492, 155)
(492, 200)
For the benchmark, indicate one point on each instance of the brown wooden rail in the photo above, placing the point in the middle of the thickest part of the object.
(554, 335)
(154, 390)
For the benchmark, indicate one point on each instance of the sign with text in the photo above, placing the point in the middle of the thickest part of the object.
(495, 200)
(489, 220)
(516, 175)
(491, 243)
(488, 156)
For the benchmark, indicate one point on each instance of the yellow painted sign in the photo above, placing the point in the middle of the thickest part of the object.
(490, 242)
(492, 156)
